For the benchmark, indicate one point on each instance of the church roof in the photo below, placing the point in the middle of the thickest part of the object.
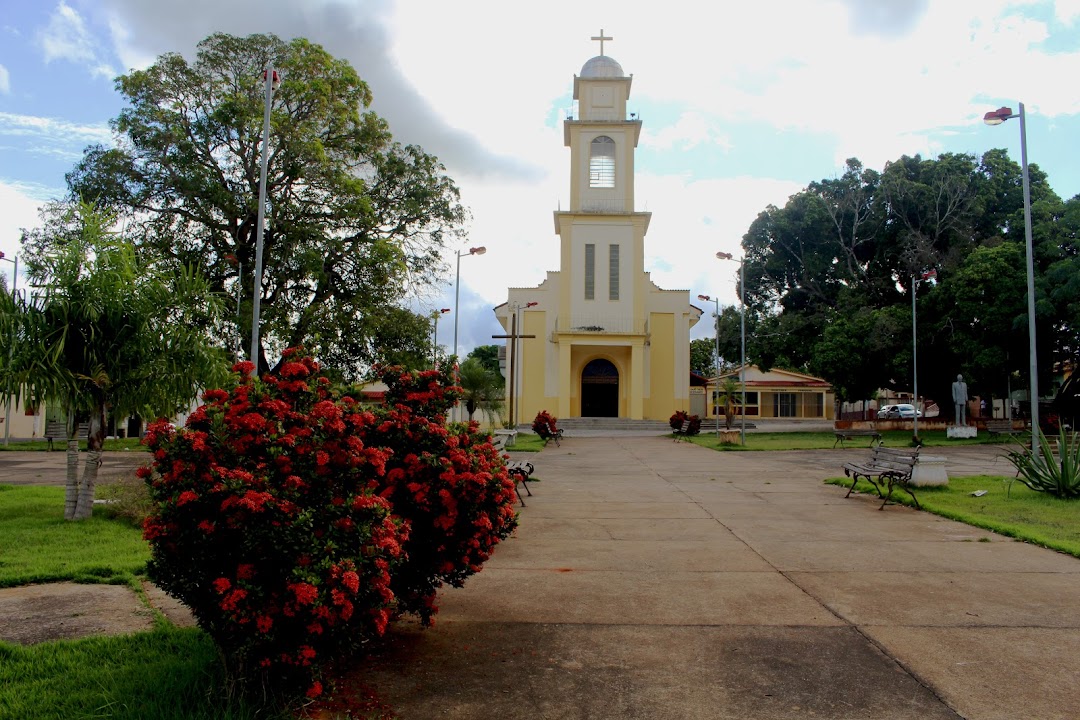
(602, 66)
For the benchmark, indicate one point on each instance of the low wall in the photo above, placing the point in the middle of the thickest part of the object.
(924, 424)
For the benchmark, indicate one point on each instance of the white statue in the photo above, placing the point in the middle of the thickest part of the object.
(959, 398)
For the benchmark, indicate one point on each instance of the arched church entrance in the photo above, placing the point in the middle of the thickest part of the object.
(600, 389)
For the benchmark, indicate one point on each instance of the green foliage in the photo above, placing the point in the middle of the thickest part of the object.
(703, 357)
(488, 356)
(1055, 469)
(354, 219)
(831, 276)
(480, 387)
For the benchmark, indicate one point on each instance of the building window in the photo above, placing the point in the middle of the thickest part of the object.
(814, 405)
(784, 404)
(590, 271)
(613, 272)
(602, 163)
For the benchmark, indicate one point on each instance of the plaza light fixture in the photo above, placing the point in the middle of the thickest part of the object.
(457, 285)
(271, 80)
(435, 315)
(742, 339)
(716, 388)
(7, 394)
(997, 117)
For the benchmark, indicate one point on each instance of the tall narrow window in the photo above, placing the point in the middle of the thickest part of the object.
(602, 163)
(590, 272)
(613, 272)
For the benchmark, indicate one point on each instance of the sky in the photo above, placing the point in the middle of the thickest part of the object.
(742, 104)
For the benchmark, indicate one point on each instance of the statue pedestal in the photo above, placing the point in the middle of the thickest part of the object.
(961, 431)
(929, 471)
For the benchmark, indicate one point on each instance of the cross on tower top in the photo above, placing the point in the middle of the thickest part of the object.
(601, 38)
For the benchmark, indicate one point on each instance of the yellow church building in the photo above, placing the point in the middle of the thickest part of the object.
(602, 340)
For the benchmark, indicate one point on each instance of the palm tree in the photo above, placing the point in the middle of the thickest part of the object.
(729, 395)
(482, 388)
(105, 332)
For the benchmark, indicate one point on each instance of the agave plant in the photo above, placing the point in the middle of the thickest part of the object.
(1056, 467)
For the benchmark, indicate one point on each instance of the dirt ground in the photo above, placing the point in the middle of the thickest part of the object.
(66, 611)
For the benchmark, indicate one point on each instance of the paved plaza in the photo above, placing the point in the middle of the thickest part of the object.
(651, 579)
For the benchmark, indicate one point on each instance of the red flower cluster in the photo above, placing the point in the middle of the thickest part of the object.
(544, 425)
(295, 522)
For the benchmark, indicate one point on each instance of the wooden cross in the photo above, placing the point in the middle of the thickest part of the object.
(601, 38)
(513, 337)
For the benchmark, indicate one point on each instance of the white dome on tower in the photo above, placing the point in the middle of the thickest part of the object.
(602, 66)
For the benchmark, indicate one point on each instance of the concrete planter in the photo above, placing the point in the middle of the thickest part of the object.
(730, 437)
(929, 471)
(961, 431)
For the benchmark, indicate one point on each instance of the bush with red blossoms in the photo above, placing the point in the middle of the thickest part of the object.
(544, 425)
(679, 417)
(449, 484)
(296, 522)
(265, 524)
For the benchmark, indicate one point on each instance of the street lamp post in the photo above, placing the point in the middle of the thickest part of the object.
(435, 314)
(457, 286)
(271, 80)
(7, 398)
(457, 294)
(996, 117)
(742, 340)
(716, 387)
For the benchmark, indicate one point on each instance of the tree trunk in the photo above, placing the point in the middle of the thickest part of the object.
(71, 485)
(95, 440)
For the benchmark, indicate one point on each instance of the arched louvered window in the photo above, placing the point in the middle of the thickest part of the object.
(602, 163)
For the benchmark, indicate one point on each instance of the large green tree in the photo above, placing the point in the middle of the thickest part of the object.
(354, 220)
(832, 275)
(103, 332)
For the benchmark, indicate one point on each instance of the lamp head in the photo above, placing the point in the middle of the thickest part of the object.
(704, 297)
(477, 250)
(724, 256)
(996, 117)
(445, 310)
(529, 305)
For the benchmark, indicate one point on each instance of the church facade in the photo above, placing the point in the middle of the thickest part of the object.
(600, 339)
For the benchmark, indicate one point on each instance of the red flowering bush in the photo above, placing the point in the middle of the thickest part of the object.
(295, 523)
(676, 422)
(265, 523)
(544, 425)
(449, 485)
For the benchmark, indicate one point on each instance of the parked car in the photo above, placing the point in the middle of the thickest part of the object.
(898, 412)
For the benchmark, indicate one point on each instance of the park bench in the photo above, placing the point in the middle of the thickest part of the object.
(519, 471)
(547, 435)
(1001, 427)
(851, 434)
(886, 468)
(57, 430)
(682, 432)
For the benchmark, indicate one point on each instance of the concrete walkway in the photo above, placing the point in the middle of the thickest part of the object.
(653, 580)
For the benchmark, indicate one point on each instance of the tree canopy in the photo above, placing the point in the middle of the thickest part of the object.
(354, 220)
(830, 277)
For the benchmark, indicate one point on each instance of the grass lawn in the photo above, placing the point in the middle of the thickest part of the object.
(526, 442)
(1015, 512)
(59, 445)
(38, 545)
(165, 673)
(826, 440)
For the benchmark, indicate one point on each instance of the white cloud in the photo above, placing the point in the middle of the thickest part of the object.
(67, 37)
(56, 129)
(20, 202)
(5, 80)
(690, 130)
(1067, 11)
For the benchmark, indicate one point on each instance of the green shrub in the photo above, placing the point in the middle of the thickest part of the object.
(1053, 471)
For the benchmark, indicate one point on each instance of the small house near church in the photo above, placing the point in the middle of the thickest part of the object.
(597, 338)
(776, 394)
